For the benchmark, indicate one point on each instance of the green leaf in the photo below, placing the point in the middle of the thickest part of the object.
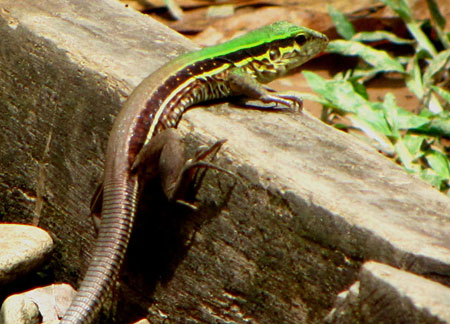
(430, 176)
(437, 64)
(405, 156)
(443, 93)
(373, 132)
(439, 123)
(422, 39)
(439, 163)
(360, 89)
(413, 78)
(436, 14)
(379, 59)
(407, 120)
(439, 21)
(414, 144)
(315, 81)
(401, 8)
(379, 35)
(341, 93)
(400, 118)
(364, 73)
(373, 115)
(440, 126)
(343, 26)
(433, 103)
(390, 114)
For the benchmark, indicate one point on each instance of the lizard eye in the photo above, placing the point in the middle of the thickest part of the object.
(300, 40)
(274, 53)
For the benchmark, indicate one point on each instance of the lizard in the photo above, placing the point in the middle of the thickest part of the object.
(143, 142)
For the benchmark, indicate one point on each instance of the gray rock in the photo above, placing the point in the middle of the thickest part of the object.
(22, 249)
(46, 305)
(388, 295)
(52, 300)
(19, 309)
(142, 321)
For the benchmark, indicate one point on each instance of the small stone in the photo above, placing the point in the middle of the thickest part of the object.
(46, 304)
(143, 321)
(22, 249)
(52, 300)
(19, 309)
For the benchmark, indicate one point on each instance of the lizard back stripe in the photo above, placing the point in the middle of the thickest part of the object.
(165, 105)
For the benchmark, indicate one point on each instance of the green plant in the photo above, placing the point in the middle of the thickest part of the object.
(416, 141)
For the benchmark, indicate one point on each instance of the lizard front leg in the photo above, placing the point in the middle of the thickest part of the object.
(244, 85)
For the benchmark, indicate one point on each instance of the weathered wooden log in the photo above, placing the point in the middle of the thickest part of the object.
(276, 246)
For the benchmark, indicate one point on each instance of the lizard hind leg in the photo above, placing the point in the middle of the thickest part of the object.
(165, 153)
(190, 178)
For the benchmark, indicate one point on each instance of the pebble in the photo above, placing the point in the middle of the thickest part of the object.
(40, 305)
(22, 249)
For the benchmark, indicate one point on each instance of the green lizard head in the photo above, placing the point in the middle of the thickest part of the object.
(266, 53)
(278, 48)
